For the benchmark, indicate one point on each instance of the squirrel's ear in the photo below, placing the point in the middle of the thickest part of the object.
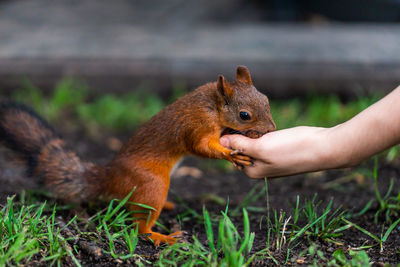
(224, 88)
(243, 75)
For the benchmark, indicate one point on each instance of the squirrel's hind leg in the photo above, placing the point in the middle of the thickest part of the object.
(154, 194)
(147, 221)
(151, 190)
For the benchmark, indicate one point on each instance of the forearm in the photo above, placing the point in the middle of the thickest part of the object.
(371, 131)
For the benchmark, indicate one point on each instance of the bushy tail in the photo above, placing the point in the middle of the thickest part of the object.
(47, 157)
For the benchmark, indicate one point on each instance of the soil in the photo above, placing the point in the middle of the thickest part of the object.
(349, 190)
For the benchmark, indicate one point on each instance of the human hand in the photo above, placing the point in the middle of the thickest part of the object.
(285, 152)
(304, 149)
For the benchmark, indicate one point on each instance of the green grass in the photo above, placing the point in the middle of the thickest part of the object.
(31, 231)
(379, 240)
(227, 248)
(110, 111)
(310, 221)
(338, 258)
(388, 206)
(25, 231)
(317, 110)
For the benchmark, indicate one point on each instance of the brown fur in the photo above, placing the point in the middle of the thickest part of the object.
(63, 173)
(191, 125)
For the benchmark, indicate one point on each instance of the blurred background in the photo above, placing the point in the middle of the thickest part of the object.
(292, 47)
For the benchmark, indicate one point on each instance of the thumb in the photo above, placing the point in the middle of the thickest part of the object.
(237, 142)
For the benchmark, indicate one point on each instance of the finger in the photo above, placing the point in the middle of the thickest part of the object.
(254, 171)
(238, 142)
(224, 141)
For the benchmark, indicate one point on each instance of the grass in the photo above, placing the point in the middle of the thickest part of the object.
(120, 113)
(388, 206)
(310, 221)
(26, 231)
(354, 259)
(31, 232)
(326, 224)
(317, 110)
(226, 248)
(383, 236)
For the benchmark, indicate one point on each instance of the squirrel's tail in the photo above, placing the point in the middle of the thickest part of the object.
(45, 153)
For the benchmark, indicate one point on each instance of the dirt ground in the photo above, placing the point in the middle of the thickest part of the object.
(348, 190)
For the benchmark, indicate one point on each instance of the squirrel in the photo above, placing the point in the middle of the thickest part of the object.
(192, 124)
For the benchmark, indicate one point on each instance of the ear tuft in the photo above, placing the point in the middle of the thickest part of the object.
(224, 89)
(243, 75)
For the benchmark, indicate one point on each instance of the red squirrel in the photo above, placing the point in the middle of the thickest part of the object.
(192, 124)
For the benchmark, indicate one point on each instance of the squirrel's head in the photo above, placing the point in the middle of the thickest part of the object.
(242, 108)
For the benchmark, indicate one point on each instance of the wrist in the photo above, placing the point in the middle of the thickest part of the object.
(318, 152)
(338, 152)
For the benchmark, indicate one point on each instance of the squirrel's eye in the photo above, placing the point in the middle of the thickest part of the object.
(244, 115)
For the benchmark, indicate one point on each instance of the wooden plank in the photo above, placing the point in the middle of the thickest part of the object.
(120, 53)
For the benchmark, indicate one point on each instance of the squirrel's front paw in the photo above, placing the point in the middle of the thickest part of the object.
(239, 160)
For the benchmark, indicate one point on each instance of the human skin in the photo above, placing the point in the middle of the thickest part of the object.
(306, 149)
